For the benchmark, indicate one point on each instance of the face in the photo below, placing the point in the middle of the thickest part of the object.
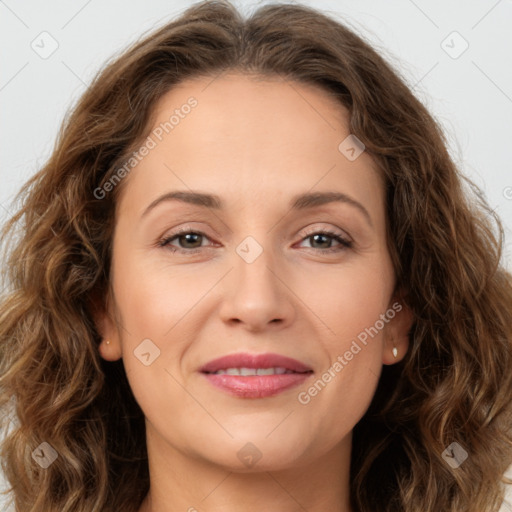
(259, 262)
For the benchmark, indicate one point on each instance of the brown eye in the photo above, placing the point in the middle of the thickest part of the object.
(190, 238)
(188, 241)
(323, 240)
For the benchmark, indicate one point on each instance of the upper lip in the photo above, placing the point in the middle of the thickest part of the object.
(243, 360)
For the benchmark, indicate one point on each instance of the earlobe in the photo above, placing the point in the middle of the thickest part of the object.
(110, 351)
(395, 351)
(110, 347)
(396, 337)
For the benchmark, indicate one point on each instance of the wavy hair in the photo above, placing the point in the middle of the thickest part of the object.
(455, 383)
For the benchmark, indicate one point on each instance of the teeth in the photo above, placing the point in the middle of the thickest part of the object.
(266, 371)
(245, 372)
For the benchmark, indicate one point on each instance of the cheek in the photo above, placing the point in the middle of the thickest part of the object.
(352, 346)
(148, 311)
(153, 342)
(154, 298)
(352, 303)
(348, 299)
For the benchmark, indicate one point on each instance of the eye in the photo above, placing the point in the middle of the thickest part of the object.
(190, 241)
(324, 238)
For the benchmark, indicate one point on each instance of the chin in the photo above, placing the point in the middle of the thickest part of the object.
(257, 455)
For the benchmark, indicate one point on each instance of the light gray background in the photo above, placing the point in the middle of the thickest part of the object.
(470, 94)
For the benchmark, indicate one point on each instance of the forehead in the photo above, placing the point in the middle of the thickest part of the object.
(237, 105)
(255, 134)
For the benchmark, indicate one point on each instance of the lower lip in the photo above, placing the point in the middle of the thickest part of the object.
(256, 386)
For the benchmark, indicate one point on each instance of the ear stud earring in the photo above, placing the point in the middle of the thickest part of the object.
(108, 342)
(395, 352)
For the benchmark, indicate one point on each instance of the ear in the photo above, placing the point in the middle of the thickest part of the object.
(397, 330)
(103, 315)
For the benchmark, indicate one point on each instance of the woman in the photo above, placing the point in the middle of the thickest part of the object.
(254, 369)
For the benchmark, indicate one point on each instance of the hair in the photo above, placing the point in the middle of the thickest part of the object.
(455, 383)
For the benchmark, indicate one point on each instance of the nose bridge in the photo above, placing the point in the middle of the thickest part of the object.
(256, 295)
(253, 264)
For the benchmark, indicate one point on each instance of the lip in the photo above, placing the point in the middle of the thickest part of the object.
(255, 386)
(243, 360)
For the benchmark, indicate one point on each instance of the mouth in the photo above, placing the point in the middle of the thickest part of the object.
(255, 376)
(245, 372)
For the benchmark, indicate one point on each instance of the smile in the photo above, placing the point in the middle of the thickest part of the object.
(246, 372)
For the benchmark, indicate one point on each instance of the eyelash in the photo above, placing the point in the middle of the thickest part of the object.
(344, 243)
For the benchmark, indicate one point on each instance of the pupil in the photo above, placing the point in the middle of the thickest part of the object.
(188, 239)
(315, 238)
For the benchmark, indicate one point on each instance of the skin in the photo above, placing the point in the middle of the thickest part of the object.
(255, 142)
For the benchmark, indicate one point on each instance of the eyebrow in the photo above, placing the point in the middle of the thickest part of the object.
(298, 202)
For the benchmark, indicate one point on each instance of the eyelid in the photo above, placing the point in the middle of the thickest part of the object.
(188, 228)
(327, 230)
(164, 241)
(345, 240)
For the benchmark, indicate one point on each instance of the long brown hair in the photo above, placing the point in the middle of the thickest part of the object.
(455, 383)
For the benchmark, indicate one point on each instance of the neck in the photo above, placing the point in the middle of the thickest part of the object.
(191, 484)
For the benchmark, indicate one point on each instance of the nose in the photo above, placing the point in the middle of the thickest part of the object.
(257, 295)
